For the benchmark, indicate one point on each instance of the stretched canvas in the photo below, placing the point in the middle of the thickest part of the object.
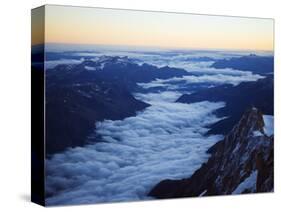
(134, 105)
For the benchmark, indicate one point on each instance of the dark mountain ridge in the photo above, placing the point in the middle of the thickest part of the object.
(121, 70)
(73, 110)
(237, 98)
(256, 64)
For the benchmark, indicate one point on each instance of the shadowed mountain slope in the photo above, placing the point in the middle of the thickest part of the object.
(241, 163)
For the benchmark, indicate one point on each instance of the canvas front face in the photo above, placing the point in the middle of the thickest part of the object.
(139, 105)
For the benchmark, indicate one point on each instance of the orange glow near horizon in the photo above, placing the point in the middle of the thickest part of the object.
(79, 25)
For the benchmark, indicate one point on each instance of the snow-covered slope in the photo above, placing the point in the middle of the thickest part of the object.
(268, 125)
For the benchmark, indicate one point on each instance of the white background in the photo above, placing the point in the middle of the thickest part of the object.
(15, 104)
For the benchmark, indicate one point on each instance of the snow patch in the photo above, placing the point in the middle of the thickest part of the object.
(268, 125)
(203, 193)
(257, 133)
(248, 183)
(90, 68)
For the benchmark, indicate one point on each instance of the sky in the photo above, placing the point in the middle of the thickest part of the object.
(82, 25)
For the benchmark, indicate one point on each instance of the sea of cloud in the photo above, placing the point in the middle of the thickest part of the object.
(179, 59)
(213, 79)
(197, 63)
(165, 141)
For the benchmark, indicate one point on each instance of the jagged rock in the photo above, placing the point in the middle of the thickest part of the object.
(241, 163)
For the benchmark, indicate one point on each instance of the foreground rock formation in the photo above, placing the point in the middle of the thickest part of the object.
(241, 163)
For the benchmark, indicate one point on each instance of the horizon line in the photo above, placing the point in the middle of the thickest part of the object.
(159, 47)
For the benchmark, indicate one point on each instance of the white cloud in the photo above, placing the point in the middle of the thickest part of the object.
(164, 141)
(52, 63)
(210, 79)
(153, 98)
(187, 60)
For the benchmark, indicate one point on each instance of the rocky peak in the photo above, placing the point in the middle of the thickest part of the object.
(248, 126)
(252, 120)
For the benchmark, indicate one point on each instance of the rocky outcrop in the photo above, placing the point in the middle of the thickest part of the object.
(241, 163)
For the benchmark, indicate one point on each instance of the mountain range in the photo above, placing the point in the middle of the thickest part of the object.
(92, 91)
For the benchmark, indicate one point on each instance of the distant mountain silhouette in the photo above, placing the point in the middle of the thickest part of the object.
(252, 62)
(121, 70)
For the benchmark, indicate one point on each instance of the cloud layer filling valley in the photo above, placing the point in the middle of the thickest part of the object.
(164, 141)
